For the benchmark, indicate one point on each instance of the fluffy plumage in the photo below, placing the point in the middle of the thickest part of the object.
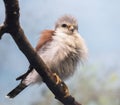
(61, 50)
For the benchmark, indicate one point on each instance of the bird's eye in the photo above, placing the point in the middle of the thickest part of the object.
(64, 25)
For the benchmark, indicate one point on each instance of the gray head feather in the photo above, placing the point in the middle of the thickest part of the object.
(66, 19)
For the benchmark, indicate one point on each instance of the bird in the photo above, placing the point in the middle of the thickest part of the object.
(61, 49)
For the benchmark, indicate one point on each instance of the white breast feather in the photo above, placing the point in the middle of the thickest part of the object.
(61, 45)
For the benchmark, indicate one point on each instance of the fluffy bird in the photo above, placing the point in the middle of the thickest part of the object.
(61, 50)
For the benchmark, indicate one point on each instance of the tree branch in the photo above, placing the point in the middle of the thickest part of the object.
(12, 26)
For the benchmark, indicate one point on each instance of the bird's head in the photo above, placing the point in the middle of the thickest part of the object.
(67, 24)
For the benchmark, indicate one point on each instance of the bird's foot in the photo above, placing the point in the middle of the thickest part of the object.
(56, 78)
(61, 84)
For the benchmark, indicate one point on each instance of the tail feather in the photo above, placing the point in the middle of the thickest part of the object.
(24, 75)
(16, 91)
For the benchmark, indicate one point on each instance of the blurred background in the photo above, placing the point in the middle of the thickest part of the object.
(95, 83)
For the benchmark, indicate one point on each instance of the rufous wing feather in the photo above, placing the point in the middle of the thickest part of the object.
(46, 36)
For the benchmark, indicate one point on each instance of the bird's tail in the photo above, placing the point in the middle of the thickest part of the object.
(16, 90)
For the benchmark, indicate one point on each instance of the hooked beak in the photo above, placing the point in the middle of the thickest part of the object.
(71, 28)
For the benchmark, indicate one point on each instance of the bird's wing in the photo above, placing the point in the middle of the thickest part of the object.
(46, 36)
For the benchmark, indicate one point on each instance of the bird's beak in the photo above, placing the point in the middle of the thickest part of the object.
(71, 28)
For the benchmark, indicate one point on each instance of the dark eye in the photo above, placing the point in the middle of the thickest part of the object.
(64, 25)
